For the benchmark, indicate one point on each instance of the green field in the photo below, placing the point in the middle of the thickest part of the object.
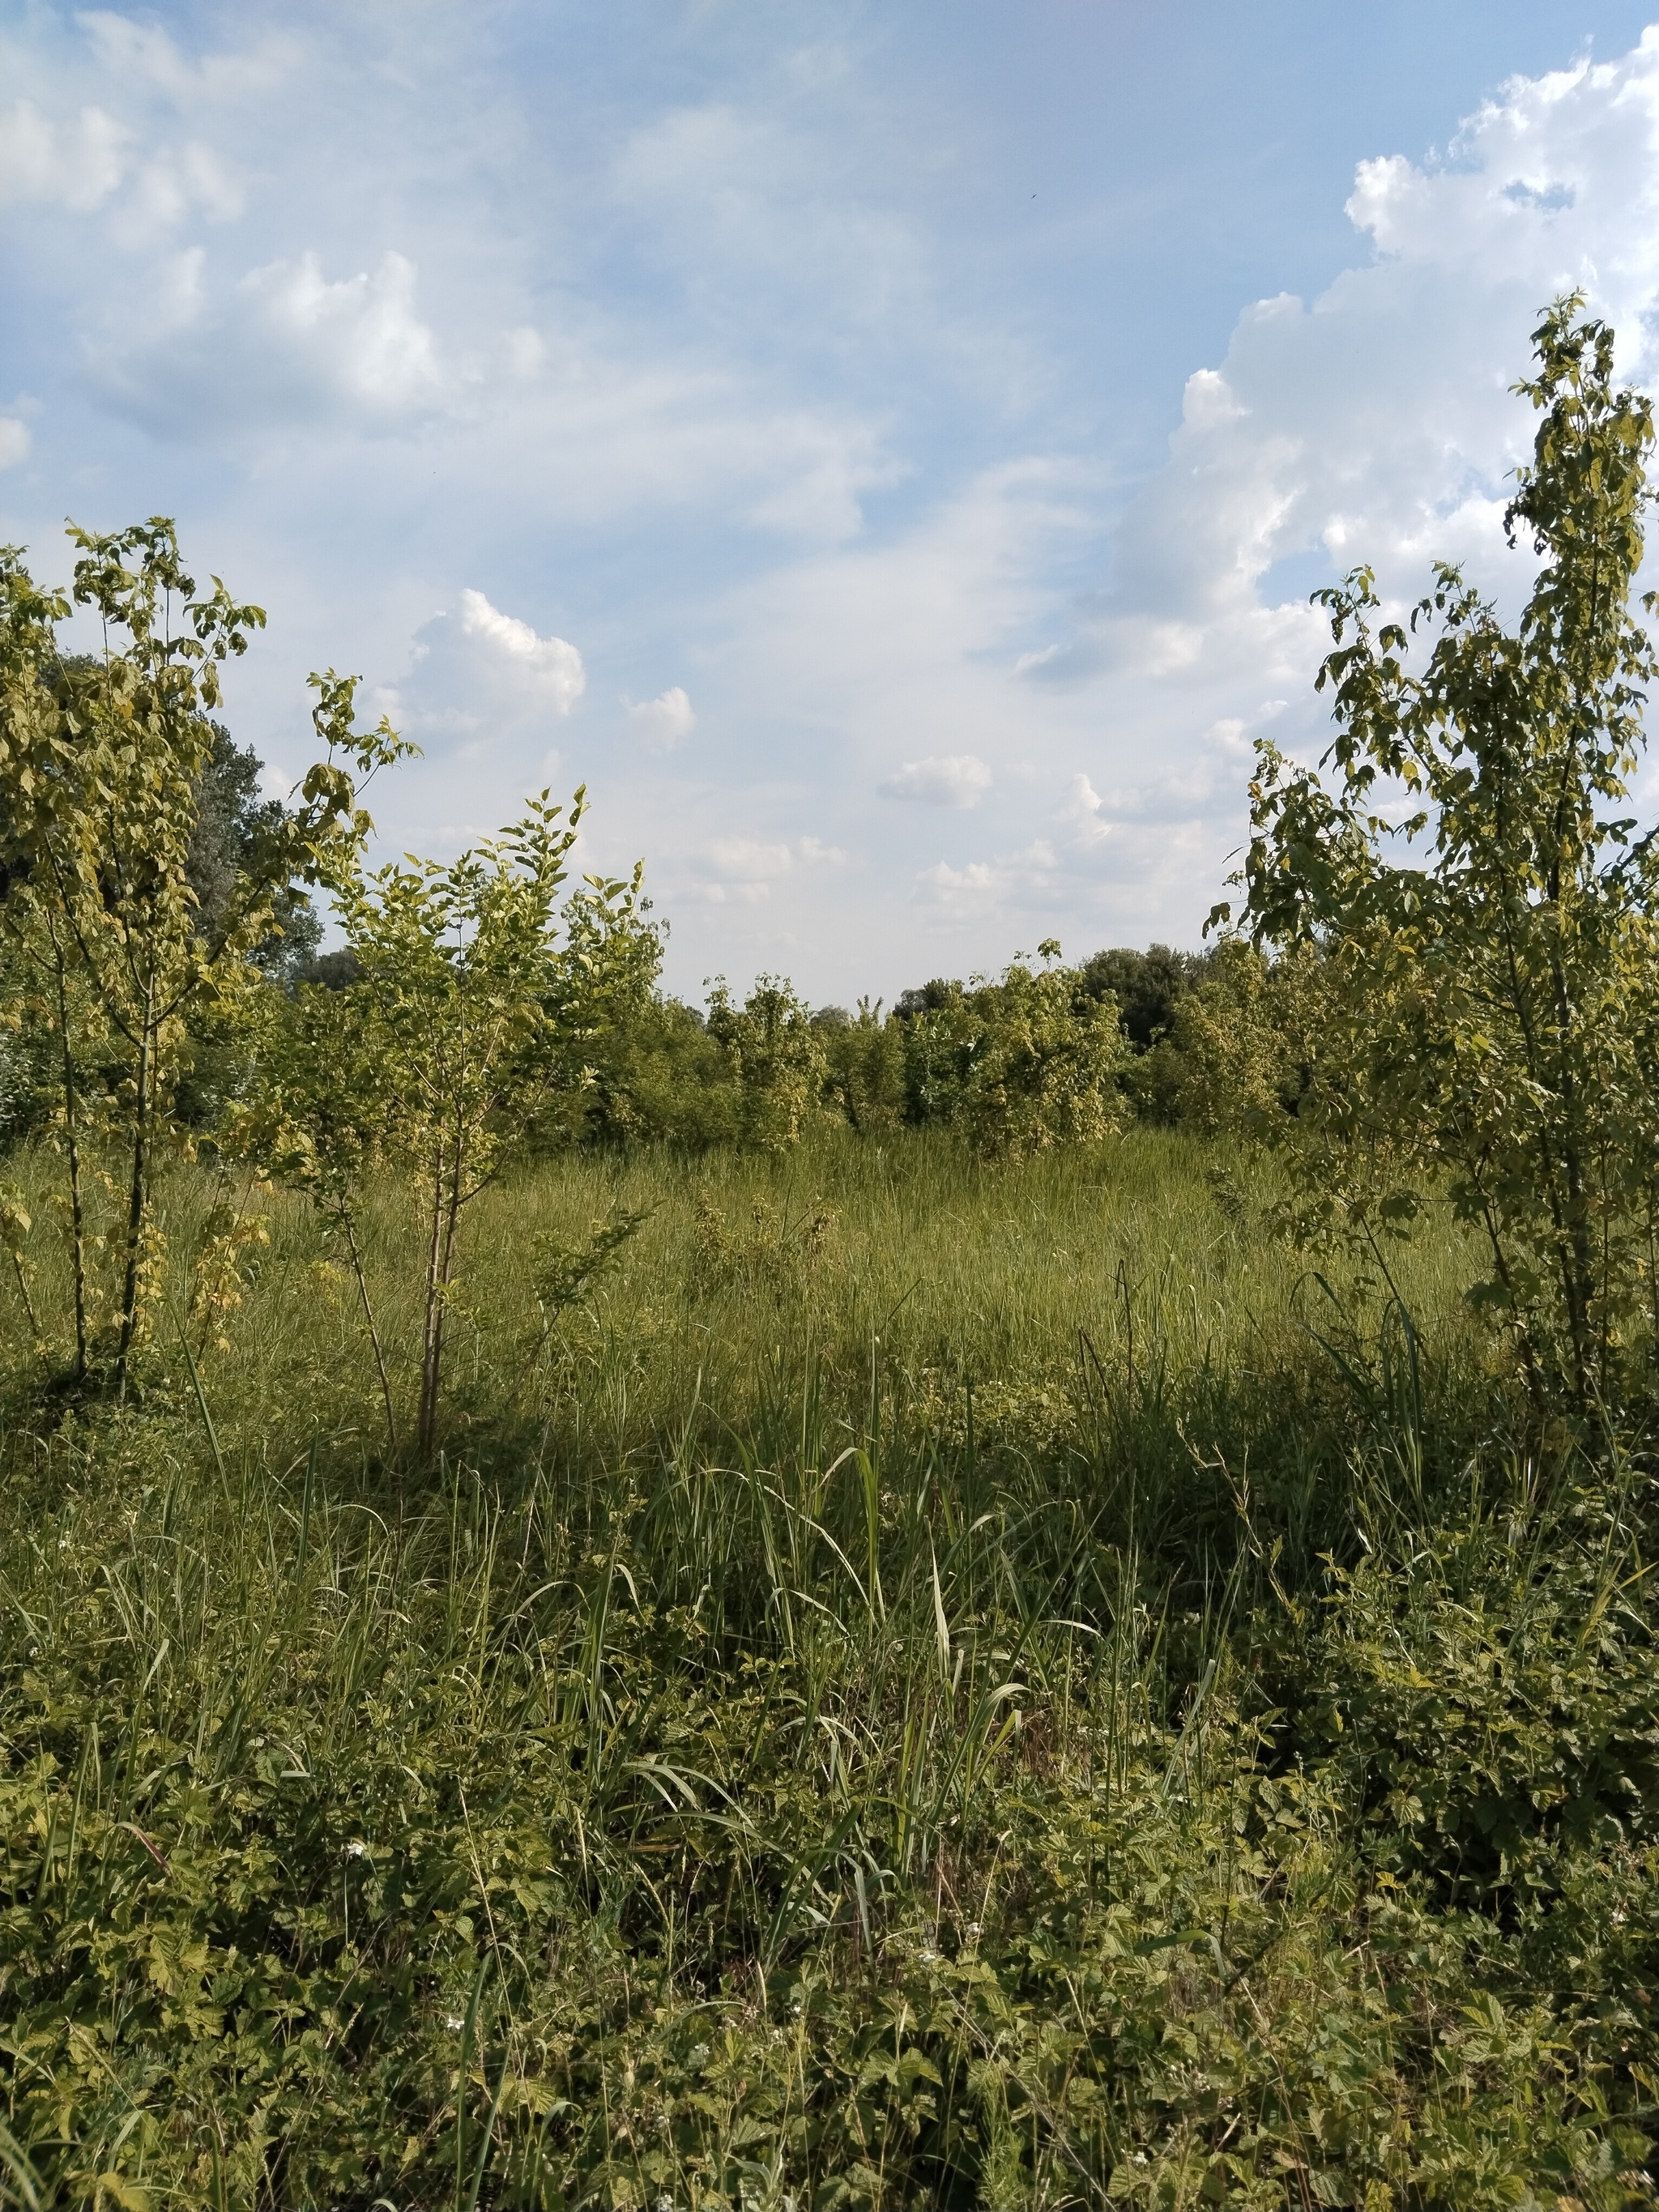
(914, 1683)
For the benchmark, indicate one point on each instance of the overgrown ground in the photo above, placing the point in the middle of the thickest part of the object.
(920, 1685)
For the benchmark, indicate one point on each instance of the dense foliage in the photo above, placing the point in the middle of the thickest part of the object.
(1171, 1769)
(1491, 1030)
(608, 1604)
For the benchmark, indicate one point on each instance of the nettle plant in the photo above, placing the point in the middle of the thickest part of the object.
(102, 757)
(1492, 1004)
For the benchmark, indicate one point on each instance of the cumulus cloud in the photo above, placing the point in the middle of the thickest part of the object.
(1380, 425)
(942, 780)
(978, 883)
(1375, 424)
(359, 334)
(288, 344)
(482, 674)
(735, 319)
(174, 183)
(14, 440)
(664, 720)
(92, 161)
(748, 859)
(549, 670)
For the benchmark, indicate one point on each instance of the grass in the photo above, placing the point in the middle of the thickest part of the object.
(912, 1686)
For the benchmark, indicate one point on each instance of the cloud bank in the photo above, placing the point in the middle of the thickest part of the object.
(744, 362)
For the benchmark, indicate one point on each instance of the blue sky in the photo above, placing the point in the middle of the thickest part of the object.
(884, 451)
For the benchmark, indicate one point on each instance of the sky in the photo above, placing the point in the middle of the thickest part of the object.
(883, 453)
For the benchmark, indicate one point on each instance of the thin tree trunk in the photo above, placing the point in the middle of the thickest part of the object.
(21, 1273)
(446, 1271)
(350, 1227)
(135, 1203)
(77, 1210)
(432, 1331)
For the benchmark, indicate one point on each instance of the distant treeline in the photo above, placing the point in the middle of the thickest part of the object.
(1045, 1053)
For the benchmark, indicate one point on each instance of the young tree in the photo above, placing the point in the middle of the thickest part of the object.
(776, 1056)
(1493, 1013)
(233, 822)
(1033, 1060)
(314, 1119)
(102, 762)
(1048, 1066)
(461, 967)
(865, 1065)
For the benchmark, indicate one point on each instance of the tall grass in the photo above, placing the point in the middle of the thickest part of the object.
(918, 1686)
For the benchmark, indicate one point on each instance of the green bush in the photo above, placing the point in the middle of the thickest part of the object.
(1018, 1066)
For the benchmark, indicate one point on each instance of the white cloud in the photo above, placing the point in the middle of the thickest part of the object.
(360, 335)
(664, 720)
(288, 344)
(172, 184)
(750, 196)
(548, 669)
(92, 161)
(1033, 873)
(744, 870)
(484, 676)
(978, 883)
(1084, 810)
(75, 166)
(747, 858)
(763, 282)
(145, 54)
(15, 441)
(942, 780)
(1376, 425)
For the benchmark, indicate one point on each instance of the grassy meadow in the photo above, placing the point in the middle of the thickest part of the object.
(909, 1683)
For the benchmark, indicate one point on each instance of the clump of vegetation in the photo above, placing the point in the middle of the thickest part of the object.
(917, 1646)
(1490, 1032)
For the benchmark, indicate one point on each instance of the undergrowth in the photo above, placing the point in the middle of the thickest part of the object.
(907, 1686)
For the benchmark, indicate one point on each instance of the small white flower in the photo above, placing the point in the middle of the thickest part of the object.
(357, 1850)
(928, 1958)
(454, 2022)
